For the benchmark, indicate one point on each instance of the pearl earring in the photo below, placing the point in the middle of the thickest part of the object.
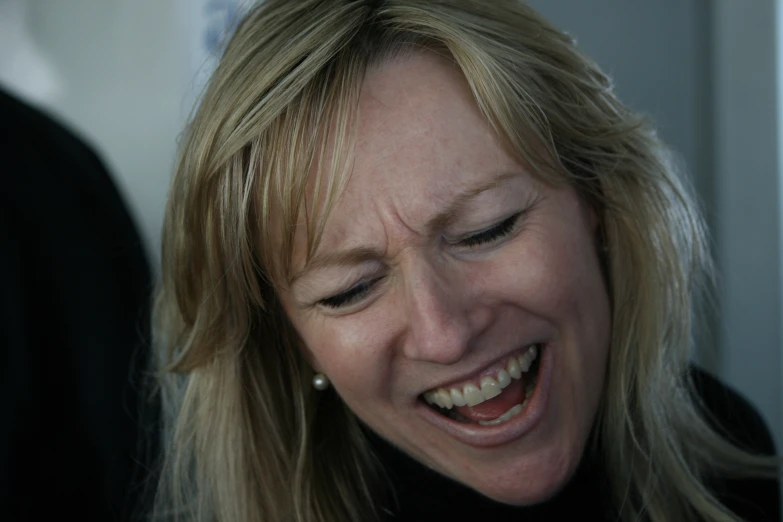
(320, 381)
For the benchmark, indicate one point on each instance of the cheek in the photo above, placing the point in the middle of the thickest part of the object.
(549, 273)
(354, 356)
(553, 272)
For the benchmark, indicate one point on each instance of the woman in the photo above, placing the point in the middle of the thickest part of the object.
(418, 259)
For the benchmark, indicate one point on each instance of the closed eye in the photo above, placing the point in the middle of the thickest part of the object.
(491, 234)
(350, 296)
(359, 291)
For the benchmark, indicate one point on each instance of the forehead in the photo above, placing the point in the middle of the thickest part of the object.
(418, 112)
(420, 140)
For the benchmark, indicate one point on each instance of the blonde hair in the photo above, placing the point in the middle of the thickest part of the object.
(247, 437)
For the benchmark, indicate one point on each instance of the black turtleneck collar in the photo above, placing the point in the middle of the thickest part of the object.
(420, 492)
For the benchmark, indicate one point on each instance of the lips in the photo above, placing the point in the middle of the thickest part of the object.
(514, 426)
(489, 385)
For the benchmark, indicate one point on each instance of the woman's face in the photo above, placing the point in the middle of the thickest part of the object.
(444, 263)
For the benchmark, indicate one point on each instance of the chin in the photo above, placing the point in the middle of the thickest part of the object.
(533, 482)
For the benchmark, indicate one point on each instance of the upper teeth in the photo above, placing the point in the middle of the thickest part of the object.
(489, 387)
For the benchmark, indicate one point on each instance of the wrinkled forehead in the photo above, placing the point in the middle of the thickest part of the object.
(319, 174)
(307, 159)
(319, 139)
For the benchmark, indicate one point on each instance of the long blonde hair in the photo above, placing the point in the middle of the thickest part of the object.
(247, 437)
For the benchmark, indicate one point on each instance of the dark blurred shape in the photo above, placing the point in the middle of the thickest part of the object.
(74, 307)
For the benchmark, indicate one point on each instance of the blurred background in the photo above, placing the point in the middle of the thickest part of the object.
(124, 75)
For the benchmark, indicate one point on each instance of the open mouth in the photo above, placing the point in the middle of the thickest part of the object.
(495, 398)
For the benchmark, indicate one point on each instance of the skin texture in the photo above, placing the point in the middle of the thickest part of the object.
(431, 307)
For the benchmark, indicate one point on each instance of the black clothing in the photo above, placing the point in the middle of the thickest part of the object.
(422, 494)
(73, 322)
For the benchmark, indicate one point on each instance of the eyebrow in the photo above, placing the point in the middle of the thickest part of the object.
(441, 220)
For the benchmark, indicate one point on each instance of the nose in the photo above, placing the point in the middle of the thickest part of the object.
(439, 315)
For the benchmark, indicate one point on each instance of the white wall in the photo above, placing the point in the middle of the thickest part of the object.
(24, 68)
(748, 201)
(657, 53)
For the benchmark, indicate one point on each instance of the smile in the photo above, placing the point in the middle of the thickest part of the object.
(495, 397)
(505, 418)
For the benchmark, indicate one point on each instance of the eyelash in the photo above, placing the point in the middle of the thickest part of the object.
(494, 233)
(350, 296)
(357, 292)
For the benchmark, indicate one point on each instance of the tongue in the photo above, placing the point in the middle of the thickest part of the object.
(512, 395)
